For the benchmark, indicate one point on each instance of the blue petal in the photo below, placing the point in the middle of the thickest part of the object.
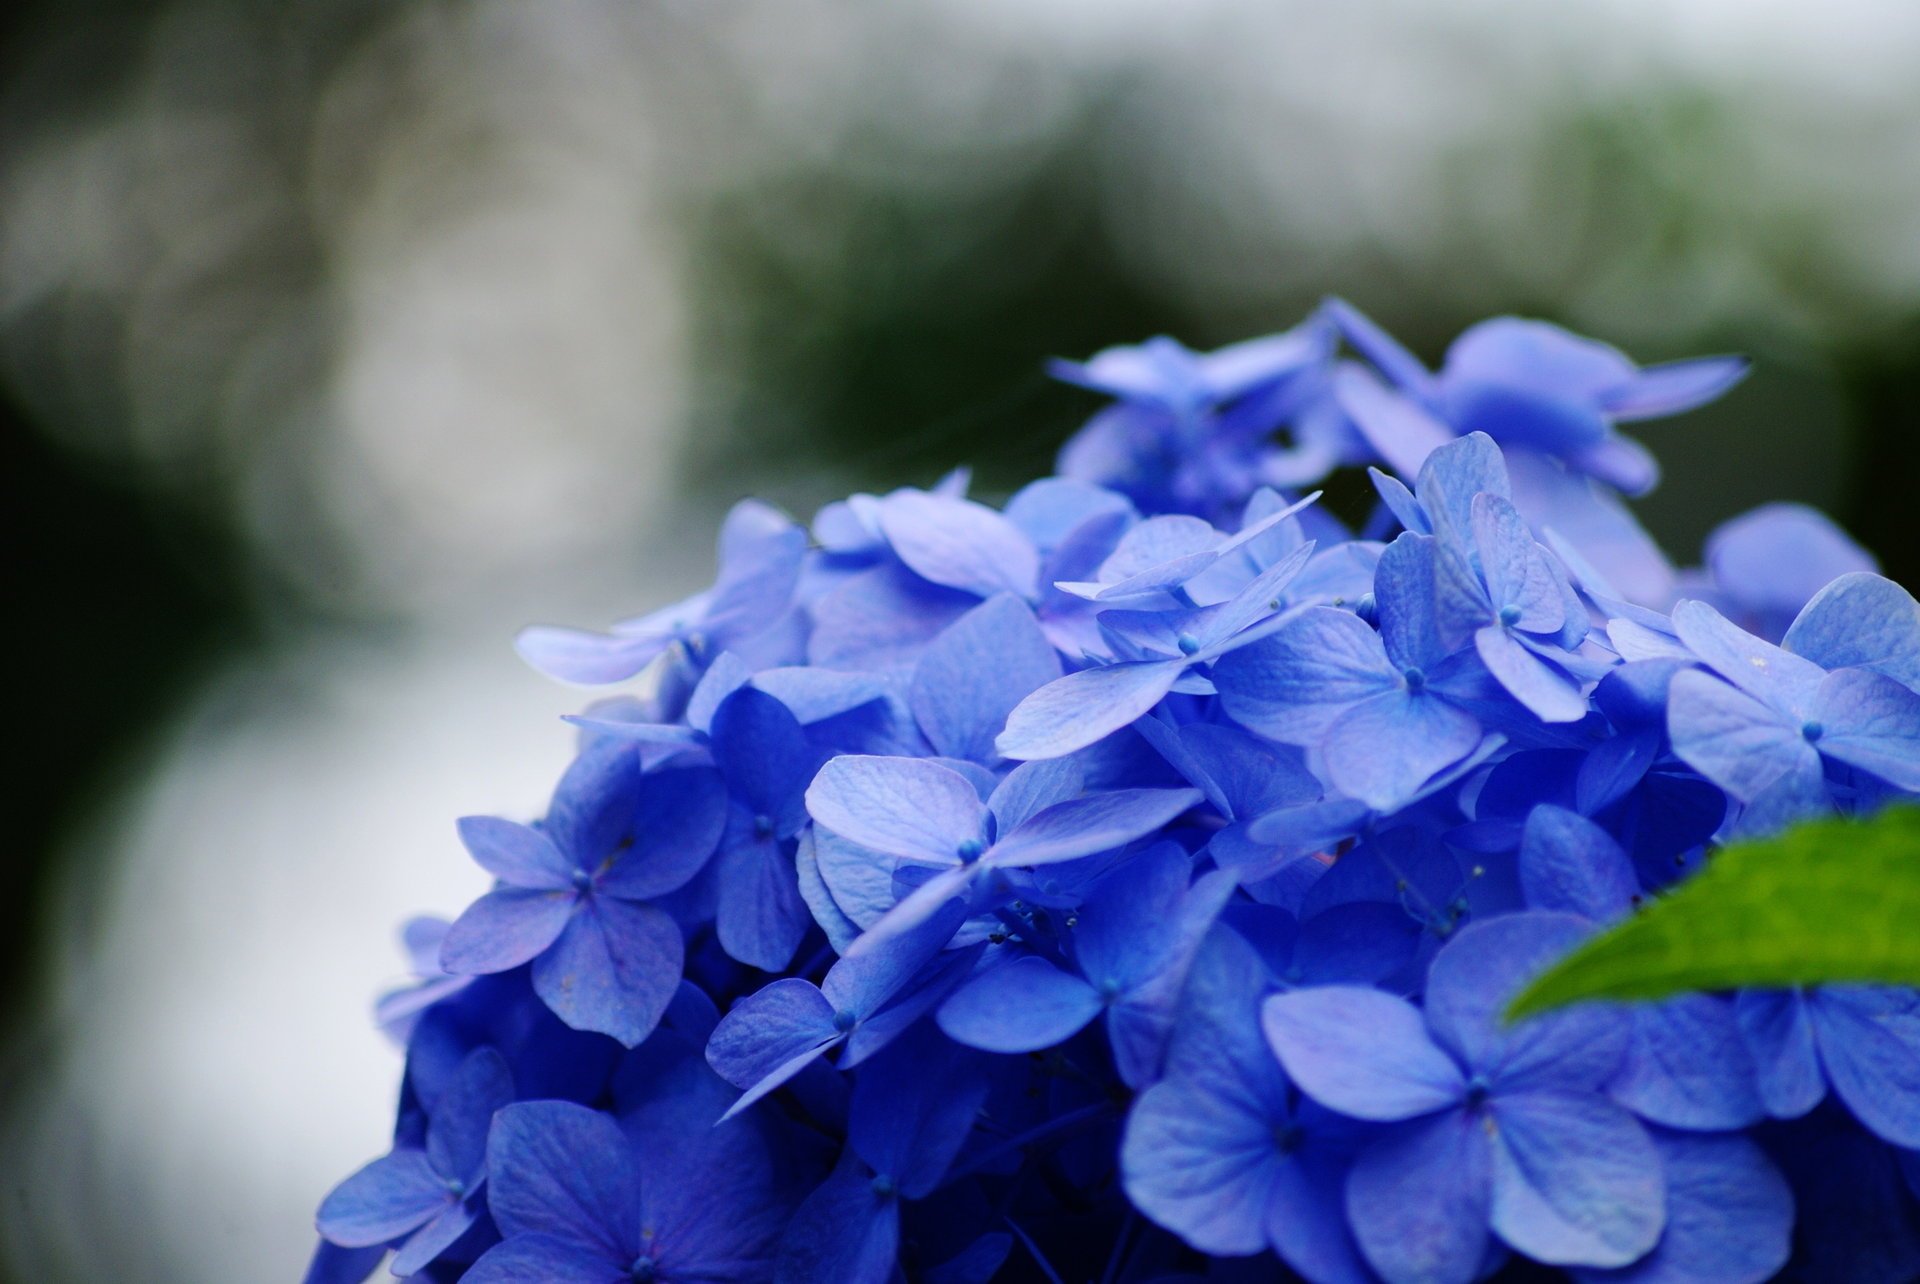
(677, 819)
(437, 1236)
(770, 1036)
(1733, 739)
(844, 1231)
(1870, 1044)
(880, 618)
(1127, 926)
(760, 553)
(1547, 691)
(1448, 481)
(1775, 563)
(386, 1199)
(1480, 970)
(1089, 825)
(1427, 735)
(1765, 672)
(903, 807)
(762, 917)
(1860, 621)
(1576, 1180)
(764, 755)
(457, 1129)
(333, 1264)
(1361, 1052)
(1688, 1067)
(1031, 788)
(1778, 1032)
(544, 1259)
(613, 970)
(976, 672)
(1569, 863)
(504, 929)
(1418, 1201)
(555, 1168)
(914, 1106)
(1403, 433)
(1294, 684)
(1019, 1006)
(1729, 1216)
(588, 659)
(1377, 346)
(1075, 711)
(1871, 722)
(516, 854)
(922, 905)
(959, 544)
(1517, 573)
(1657, 391)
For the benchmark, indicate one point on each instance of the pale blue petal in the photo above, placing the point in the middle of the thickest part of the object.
(976, 672)
(1870, 1044)
(765, 757)
(504, 929)
(1688, 1067)
(1418, 1200)
(1091, 824)
(1019, 1006)
(1576, 1180)
(588, 659)
(1654, 392)
(1778, 1032)
(1401, 431)
(1569, 863)
(1729, 1216)
(1870, 721)
(386, 1199)
(1547, 691)
(904, 807)
(1075, 711)
(1861, 621)
(1427, 733)
(1733, 739)
(1362, 1052)
(1781, 679)
(761, 915)
(613, 970)
(515, 854)
(959, 544)
(1295, 683)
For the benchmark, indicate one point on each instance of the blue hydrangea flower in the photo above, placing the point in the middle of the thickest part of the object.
(574, 893)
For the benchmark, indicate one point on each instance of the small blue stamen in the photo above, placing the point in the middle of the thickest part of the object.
(1509, 615)
(883, 1186)
(1188, 644)
(844, 1020)
(970, 850)
(1416, 679)
(763, 826)
(1812, 731)
(643, 1270)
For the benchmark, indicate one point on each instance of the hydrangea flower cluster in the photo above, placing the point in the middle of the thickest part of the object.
(1126, 883)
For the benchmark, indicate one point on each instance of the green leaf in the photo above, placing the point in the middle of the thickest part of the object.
(1833, 900)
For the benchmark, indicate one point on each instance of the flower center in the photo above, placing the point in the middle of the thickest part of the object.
(581, 880)
(971, 850)
(1478, 1090)
(1812, 731)
(1415, 677)
(1188, 644)
(883, 1186)
(844, 1020)
(763, 826)
(1509, 615)
(644, 1270)
(1288, 1137)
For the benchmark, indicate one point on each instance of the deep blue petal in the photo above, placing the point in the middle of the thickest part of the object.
(613, 970)
(558, 1169)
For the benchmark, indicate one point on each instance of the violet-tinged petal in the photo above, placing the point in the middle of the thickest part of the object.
(1428, 734)
(1129, 926)
(1778, 1032)
(1400, 502)
(1418, 1201)
(1870, 1044)
(587, 659)
(1569, 863)
(504, 929)
(915, 909)
(903, 807)
(1729, 1216)
(555, 1168)
(1081, 708)
(1764, 671)
(1688, 1067)
(1091, 824)
(544, 1259)
(914, 1106)
(436, 1237)
(764, 755)
(1862, 621)
(1772, 564)
(384, 1200)
(959, 544)
(1479, 971)
(1733, 739)
(1031, 788)
(1448, 481)
(613, 970)
(1548, 692)
(1295, 683)
(515, 854)
(846, 1230)
(457, 1130)
(1401, 431)
(1867, 720)
(975, 674)
(1019, 1006)
(767, 1030)
(1653, 392)
(1377, 346)
(678, 816)
(1518, 576)
(762, 917)
(1362, 1052)
(1576, 1180)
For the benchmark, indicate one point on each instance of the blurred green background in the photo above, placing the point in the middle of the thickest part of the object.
(338, 339)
